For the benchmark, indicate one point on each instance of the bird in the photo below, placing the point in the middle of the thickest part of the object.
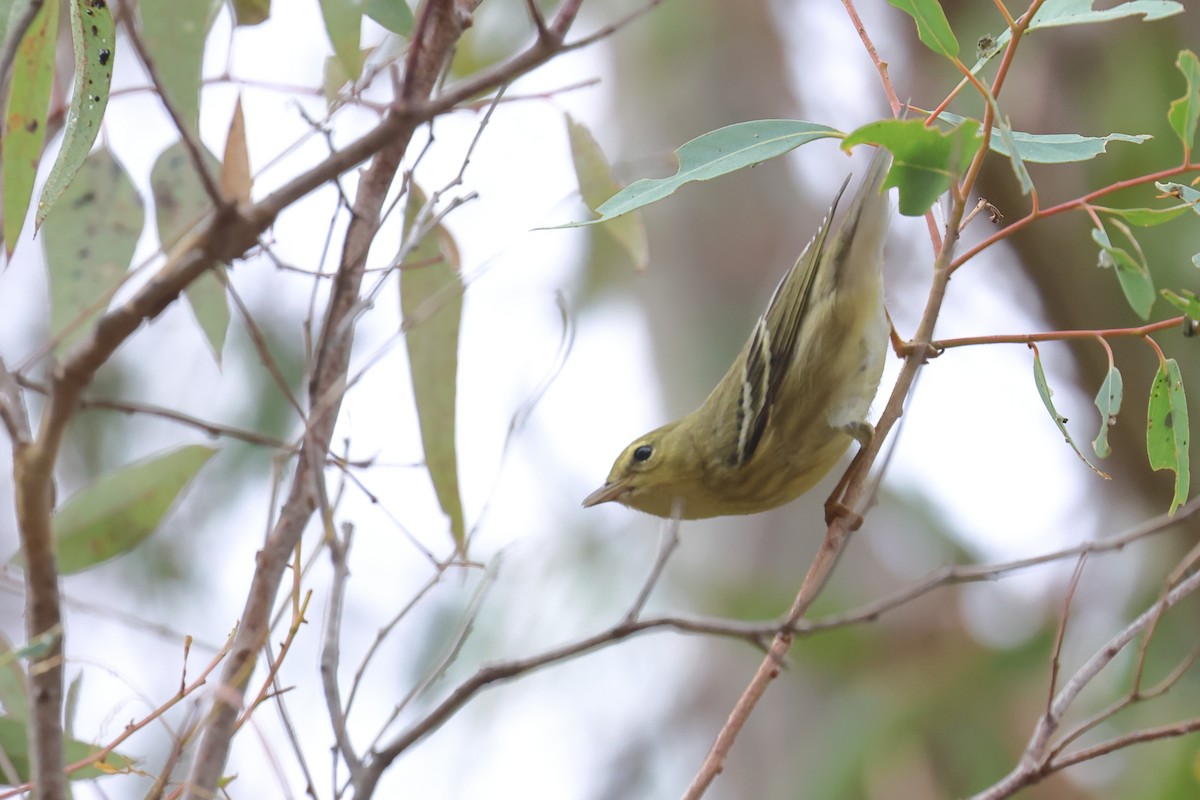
(796, 395)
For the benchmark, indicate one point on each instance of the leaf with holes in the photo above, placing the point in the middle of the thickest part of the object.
(93, 36)
(1167, 434)
(1045, 392)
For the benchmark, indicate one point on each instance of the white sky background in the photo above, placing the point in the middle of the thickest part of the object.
(975, 410)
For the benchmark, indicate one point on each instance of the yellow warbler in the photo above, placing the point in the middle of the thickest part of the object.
(796, 395)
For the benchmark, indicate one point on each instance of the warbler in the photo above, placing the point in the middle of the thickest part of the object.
(797, 393)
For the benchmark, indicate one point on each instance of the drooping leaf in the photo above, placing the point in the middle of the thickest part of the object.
(181, 205)
(1044, 391)
(121, 509)
(343, 25)
(1167, 434)
(932, 26)
(925, 161)
(25, 118)
(174, 34)
(236, 178)
(1051, 148)
(1184, 112)
(15, 746)
(1108, 401)
(395, 15)
(1008, 145)
(94, 39)
(713, 154)
(596, 183)
(1133, 274)
(89, 243)
(431, 303)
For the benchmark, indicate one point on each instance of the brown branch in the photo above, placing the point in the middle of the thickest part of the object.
(191, 143)
(1036, 762)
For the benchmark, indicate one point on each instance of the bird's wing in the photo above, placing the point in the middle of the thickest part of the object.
(772, 345)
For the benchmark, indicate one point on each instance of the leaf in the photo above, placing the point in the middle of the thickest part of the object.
(431, 302)
(236, 178)
(1057, 13)
(181, 205)
(1132, 274)
(343, 25)
(1185, 301)
(1181, 190)
(1167, 436)
(932, 26)
(1039, 378)
(1184, 112)
(1051, 148)
(94, 40)
(1145, 217)
(716, 153)
(14, 691)
(1008, 145)
(89, 242)
(121, 509)
(251, 12)
(1108, 401)
(925, 161)
(395, 15)
(174, 33)
(15, 746)
(596, 183)
(25, 119)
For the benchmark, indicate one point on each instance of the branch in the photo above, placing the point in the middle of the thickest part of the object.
(1035, 762)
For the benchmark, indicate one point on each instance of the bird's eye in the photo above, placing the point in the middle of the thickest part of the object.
(643, 453)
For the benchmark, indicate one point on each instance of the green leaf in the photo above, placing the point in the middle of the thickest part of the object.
(1039, 378)
(596, 183)
(1050, 148)
(1167, 436)
(94, 40)
(1145, 217)
(932, 26)
(1008, 145)
(89, 242)
(1185, 111)
(174, 33)
(15, 746)
(1184, 192)
(251, 12)
(25, 119)
(343, 25)
(925, 161)
(1132, 273)
(1108, 401)
(395, 15)
(14, 696)
(181, 205)
(716, 153)
(1185, 301)
(431, 301)
(1057, 13)
(120, 510)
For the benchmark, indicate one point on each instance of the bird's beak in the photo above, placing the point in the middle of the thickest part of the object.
(606, 494)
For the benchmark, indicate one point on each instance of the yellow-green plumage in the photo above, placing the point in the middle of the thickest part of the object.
(796, 395)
